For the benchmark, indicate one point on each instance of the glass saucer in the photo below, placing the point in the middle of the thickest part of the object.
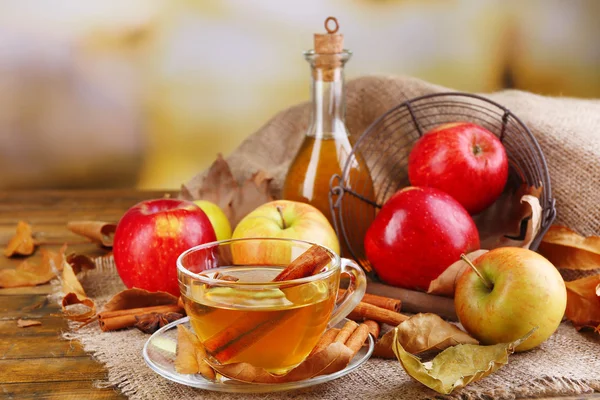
(159, 354)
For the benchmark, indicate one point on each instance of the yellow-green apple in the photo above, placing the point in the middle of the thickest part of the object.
(281, 219)
(416, 235)
(149, 238)
(462, 159)
(517, 291)
(217, 218)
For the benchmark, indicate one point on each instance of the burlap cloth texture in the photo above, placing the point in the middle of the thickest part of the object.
(567, 364)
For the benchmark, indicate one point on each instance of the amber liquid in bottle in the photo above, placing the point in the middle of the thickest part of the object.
(326, 148)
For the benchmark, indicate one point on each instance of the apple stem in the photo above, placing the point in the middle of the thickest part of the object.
(487, 283)
(283, 225)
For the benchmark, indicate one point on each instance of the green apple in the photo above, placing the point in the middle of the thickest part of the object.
(217, 218)
(517, 291)
(282, 219)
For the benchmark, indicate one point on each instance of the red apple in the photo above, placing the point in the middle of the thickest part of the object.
(150, 237)
(518, 290)
(464, 160)
(416, 235)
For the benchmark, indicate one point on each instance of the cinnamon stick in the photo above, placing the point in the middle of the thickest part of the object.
(306, 264)
(357, 339)
(364, 311)
(327, 338)
(380, 301)
(347, 330)
(113, 320)
(374, 327)
(250, 327)
(139, 311)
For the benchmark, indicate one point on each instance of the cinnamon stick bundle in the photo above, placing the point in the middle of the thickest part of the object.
(249, 328)
(113, 320)
(351, 335)
(364, 311)
(380, 301)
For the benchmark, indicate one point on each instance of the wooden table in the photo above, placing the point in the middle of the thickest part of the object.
(36, 362)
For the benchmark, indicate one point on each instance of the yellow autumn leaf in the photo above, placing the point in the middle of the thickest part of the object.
(457, 366)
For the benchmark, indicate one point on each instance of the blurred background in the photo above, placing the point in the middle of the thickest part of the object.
(145, 93)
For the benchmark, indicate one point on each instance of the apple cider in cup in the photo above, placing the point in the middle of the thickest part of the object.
(272, 326)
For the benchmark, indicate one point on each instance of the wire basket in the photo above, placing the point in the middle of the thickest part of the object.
(386, 145)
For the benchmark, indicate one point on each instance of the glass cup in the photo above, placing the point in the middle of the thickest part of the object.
(241, 315)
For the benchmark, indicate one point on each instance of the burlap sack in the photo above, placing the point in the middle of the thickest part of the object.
(568, 131)
(565, 365)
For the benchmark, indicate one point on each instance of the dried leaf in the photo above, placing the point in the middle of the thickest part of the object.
(421, 333)
(583, 302)
(78, 307)
(220, 187)
(29, 274)
(190, 356)
(138, 298)
(80, 262)
(566, 249)
(513, 220)
(70, 283)
(444, 284)
(97, 231)
(457, 366)
(22, 243)
(333, 358)
(26, 323)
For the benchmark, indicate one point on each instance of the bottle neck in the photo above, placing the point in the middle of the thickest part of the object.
(328, 102)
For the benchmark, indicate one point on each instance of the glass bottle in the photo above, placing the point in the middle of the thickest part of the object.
(326, 148)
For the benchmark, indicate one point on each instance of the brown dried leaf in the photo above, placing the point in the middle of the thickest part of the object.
(444, 284)
(138, 298)
(97, 231)
(191, 356)
(333, 358)
(421, 333)
(26, 323)
(220, 187)
(78, 307)
(583, 302)
(566, 249)
(80, 262)
(513, 220)
(22, 243)
(29, 274)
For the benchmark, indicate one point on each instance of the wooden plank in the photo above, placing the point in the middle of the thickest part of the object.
(41, 289)
(56, 370)
(74, 390)
(27, 306)
(51, 326)
(38, 347)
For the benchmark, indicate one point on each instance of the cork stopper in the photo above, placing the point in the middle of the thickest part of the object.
(328, 47)
(330, 42)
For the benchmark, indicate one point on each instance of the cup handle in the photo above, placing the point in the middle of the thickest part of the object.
(355, 293)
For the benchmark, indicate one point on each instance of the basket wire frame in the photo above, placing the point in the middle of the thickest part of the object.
(386, 145)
